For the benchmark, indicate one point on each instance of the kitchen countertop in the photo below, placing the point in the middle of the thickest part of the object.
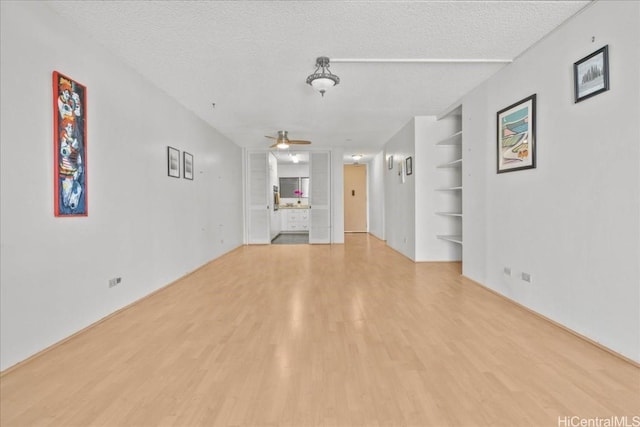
(295, 206)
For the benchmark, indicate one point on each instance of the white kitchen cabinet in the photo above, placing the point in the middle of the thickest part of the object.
(296, 219)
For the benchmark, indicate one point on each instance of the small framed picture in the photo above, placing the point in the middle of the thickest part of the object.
(390, 162)
(591, 74)
(409, 166)
(173, 162)
(187, 166)
(517, 140)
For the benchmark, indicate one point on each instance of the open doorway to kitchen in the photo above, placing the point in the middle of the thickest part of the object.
(291, 194)
(268, 207)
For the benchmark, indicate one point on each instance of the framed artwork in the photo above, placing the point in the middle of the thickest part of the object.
(173, 162)
(187, 165)
(70, 147)
(409, 166)
(390, 162)
(516, 144)
(591, 74)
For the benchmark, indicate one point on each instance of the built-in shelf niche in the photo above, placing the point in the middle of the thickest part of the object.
(450, 147)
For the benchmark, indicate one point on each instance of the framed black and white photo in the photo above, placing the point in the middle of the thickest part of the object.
(173, 162)
(187, 166)
(591, 74)
(409, 167)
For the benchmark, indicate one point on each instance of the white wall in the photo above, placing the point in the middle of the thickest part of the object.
(573, 222)
(399, 203)
(143, 226)
(293, 170)
(375, 189)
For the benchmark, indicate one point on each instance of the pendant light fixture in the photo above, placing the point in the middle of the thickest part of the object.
(322, 79)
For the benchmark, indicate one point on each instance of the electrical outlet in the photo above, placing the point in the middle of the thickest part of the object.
(115, 281)
(526, 277)
(507, 271)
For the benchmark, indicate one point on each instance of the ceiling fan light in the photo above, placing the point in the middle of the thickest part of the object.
(282, 145)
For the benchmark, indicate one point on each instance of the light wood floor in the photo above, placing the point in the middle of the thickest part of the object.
(299, 335)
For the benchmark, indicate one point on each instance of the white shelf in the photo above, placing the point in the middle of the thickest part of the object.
(455, 139)
(459, 214)
(451, 238)
(454, 164)
(451, 172)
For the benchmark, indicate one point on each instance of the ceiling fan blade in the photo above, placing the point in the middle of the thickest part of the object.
(270, 137)
(298, 141)
(274, 145)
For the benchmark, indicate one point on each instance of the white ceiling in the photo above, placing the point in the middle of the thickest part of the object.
(251, 58)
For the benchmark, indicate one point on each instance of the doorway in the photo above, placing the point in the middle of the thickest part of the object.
(270, 213)
(293, 184)
(355, 198)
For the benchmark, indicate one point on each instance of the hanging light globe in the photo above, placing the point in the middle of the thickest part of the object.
(322, 79)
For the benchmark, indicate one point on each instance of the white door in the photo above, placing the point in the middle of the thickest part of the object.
(320, 197)
(258, 199)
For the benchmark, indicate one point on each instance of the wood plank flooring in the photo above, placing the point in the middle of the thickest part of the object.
(301, 335)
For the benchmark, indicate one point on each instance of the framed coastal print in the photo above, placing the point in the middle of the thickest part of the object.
(70, 147)
(187, 165)
(173, 162)
(516, 142)
(591, 74)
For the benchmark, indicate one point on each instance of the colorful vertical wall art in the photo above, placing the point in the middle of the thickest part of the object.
(517, 136)
(70, 147)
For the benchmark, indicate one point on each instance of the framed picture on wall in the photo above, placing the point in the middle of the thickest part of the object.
(409, 166)
(187, 166)
(591, 74)
(516, 142)
(70, 147)
(173, 162)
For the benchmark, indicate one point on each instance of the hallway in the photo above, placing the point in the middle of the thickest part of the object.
(310, 335)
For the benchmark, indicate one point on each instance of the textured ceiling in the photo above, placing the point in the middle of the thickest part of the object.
(251, 58)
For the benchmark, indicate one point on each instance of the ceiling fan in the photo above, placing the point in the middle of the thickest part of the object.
(283, 141)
